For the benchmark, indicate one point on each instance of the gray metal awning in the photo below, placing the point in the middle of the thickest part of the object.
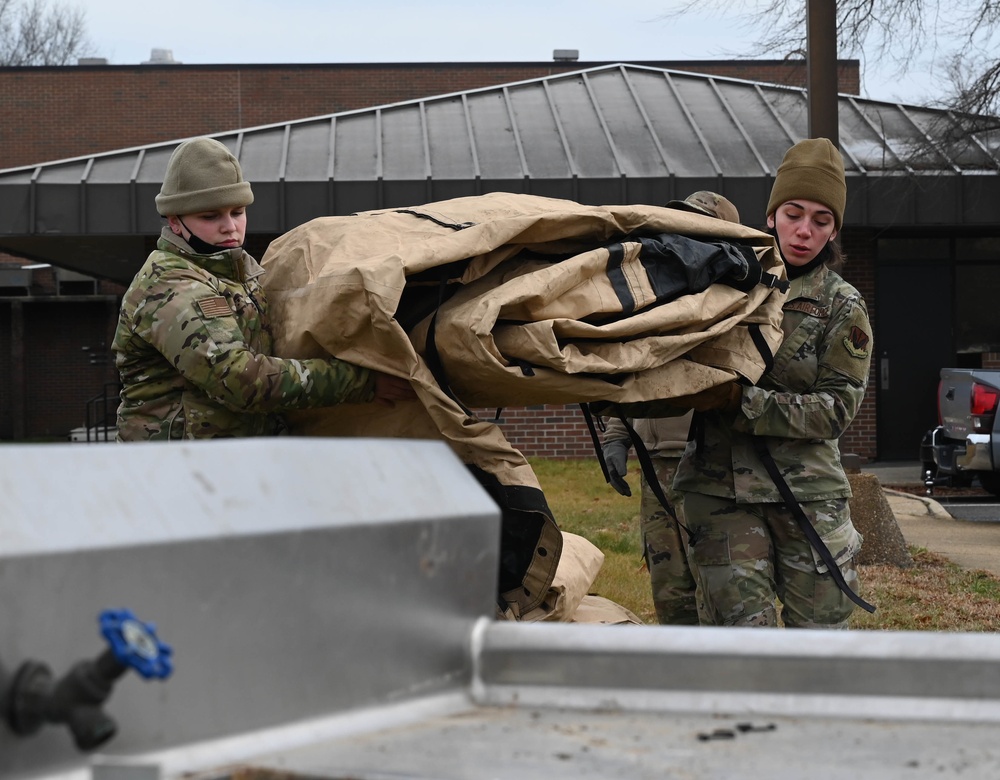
(610, 134)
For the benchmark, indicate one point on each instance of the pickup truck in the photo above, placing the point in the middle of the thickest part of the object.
(965, 446)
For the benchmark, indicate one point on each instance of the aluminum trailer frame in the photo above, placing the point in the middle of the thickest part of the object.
(329, 603)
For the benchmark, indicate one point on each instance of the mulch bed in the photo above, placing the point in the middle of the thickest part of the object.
(941, 491)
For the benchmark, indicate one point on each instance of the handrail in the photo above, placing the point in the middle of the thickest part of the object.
(98, 414)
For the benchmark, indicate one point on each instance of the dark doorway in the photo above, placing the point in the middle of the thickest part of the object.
(913, 341)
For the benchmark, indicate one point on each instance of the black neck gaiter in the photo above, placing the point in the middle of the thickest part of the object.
(795, 271)
(202, 247)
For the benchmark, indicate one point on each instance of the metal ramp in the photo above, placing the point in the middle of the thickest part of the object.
(74, 283)
(329, 605)
(14, 277)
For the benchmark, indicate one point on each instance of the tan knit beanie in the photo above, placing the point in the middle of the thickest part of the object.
(202, 175)
(812, 170)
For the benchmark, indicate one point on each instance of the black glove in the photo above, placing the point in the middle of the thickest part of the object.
(616, 458)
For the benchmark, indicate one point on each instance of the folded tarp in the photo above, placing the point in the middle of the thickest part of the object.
(506, 300)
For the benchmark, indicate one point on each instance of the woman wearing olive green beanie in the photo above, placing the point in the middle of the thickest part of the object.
(193, 344)
(750, 546)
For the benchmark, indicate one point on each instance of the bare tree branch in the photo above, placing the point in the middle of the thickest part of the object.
(34, 33)
(900, 33)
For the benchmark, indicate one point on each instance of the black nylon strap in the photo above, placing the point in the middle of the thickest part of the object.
(755, 273)
(433, 358)
(649, 472)
(645, 463)
(807, 528)
(589, 417)
(616, 254)
(770, 280)
(762, 346)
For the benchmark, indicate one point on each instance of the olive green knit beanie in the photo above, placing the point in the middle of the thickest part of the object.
(202, 175)
(811, 170)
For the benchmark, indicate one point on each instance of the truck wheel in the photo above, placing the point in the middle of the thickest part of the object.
(990, 481)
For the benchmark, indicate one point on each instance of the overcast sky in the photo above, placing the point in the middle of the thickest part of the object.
(201, 32)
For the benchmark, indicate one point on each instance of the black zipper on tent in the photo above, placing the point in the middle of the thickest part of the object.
(436, 221)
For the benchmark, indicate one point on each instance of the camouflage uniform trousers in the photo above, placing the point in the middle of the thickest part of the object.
(749, 556)
(665, 544)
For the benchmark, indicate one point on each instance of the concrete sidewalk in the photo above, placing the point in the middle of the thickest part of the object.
(926, 523)
(903, 472)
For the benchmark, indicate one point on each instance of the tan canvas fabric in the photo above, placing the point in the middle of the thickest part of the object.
(578, 567)
(529, 316)
(597, 609)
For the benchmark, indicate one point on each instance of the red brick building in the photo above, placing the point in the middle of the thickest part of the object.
(55, 348)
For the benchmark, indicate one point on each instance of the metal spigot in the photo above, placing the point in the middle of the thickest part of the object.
(35, 698)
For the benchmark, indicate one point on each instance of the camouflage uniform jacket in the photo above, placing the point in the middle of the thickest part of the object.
(193, 348)
(801, 407)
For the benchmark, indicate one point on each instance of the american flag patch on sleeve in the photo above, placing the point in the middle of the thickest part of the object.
(216, 306)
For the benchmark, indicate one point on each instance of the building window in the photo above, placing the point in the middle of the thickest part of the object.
(913, 250)
(984, 249)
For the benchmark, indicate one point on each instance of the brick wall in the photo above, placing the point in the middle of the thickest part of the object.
(548, 431)
(859, 248)
(64, 361)
(56, 353)
(54, 113)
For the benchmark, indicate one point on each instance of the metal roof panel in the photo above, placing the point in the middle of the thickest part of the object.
(357, 148)
(449, 143)
(493, 134)
(545, 153)
(308, 152)
(613, 133)
(685, 152)
(404, 144)
(638, 152)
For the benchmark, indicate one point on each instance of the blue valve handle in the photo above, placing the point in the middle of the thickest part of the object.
(135, 644)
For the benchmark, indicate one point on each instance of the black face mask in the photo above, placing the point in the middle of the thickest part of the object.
(202, 247)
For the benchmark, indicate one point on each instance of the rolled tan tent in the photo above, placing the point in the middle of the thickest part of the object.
(510, 300)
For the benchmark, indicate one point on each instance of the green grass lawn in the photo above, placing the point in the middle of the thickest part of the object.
(584, 504)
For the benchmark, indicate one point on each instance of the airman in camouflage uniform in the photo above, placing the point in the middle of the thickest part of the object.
(664, 540)
(193, 345)
(747, 549)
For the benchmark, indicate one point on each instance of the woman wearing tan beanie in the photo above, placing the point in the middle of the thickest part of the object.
(193, 344)
(765, 495)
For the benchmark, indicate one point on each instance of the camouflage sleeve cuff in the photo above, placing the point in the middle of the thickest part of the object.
(614, 430)
(751, 408)
(365, 392)
(369, 384)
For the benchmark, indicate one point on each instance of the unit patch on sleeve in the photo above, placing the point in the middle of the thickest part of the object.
(214, 307)
(856, 342)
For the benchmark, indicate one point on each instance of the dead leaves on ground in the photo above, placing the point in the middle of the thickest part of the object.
(933, 595)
